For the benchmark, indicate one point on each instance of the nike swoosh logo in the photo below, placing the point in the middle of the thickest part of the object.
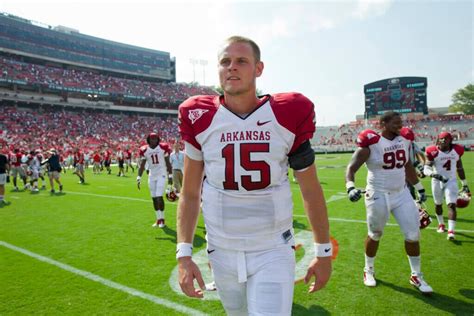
(210, 251)
(263, 123)
(327, 249)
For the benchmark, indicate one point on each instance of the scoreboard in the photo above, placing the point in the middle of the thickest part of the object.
(403, 95)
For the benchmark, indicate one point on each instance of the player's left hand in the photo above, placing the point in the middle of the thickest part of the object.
(422, 196)
(188, 271)
(420, 172)
(465, 189)
(320, 268)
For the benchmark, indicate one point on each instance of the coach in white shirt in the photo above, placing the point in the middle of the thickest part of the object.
(177, 164)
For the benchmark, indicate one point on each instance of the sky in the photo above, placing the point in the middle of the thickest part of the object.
(326, 50)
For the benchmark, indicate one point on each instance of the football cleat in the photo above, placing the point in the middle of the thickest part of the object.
(451, 235)
(159, 223)
(419, 282)
(369, 278)
(441, 228)
(211, 286)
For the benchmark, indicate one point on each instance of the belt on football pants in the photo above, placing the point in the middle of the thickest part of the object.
(241, 267)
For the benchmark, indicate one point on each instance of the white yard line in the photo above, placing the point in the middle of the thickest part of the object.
(295, 215)
(93, 277)
(114, 197)
(388, 224)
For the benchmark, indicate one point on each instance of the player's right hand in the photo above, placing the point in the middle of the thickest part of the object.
(139, 180)
(187, 272)
(439, 177)
(354, 194)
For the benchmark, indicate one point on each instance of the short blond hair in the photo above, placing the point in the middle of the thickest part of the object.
(242, 39)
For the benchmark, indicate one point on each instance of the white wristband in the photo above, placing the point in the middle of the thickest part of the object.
(418, 186)
(323, 250)
(184, 249)
(139, 178)
(350, 184)
(464, 181)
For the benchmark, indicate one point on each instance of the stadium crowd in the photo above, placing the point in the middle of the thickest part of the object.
(88, 81)
(426, 130)
(47, 128)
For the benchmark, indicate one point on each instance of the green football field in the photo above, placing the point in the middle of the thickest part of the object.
(92, 250)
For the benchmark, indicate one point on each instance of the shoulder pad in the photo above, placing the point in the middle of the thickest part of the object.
(143, 150)
(195, 115)
(459, 149)
(296, 113)
(367, 137)
(407, 133)
(165, 147)
(431, 152)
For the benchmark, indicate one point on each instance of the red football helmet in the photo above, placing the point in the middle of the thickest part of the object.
(463, 199)
(154, 136)
(171, 194)
(445, 137)
(425, 219)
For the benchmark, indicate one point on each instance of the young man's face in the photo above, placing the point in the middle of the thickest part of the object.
(238, 69)
(394, 125)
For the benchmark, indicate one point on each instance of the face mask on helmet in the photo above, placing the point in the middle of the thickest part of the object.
(171, 194)
(463, 200)
(425, 219)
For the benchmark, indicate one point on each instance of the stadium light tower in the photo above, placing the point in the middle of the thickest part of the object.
(203, 63)
(194, 62)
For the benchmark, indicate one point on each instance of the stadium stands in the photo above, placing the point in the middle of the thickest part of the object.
(343, 138)
(84, 83)
(47, 127)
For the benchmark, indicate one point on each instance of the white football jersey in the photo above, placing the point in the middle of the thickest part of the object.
(444, 163)
(155, 159)
(246, 197)
(387, 160)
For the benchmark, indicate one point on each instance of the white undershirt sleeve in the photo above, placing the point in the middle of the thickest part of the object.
(192, 152)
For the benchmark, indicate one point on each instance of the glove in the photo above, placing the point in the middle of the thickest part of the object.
(422, 196)
(139, 180)
(420, 168)
(465, 189)
(439, 177)
(354, 194)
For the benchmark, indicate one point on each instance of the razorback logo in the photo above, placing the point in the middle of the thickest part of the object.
(195, 115)
(370, 135)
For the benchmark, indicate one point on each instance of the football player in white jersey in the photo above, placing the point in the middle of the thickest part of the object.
(156, 156)
(387, 157)
(243, 144)
(444, 159)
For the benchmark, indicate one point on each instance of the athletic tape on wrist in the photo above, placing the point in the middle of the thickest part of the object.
(464, 181)
(350, 184)
(323, 250)
(184, 249)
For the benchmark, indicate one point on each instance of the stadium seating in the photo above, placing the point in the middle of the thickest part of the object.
(343, 138)
(44, 128)
(83, 83)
